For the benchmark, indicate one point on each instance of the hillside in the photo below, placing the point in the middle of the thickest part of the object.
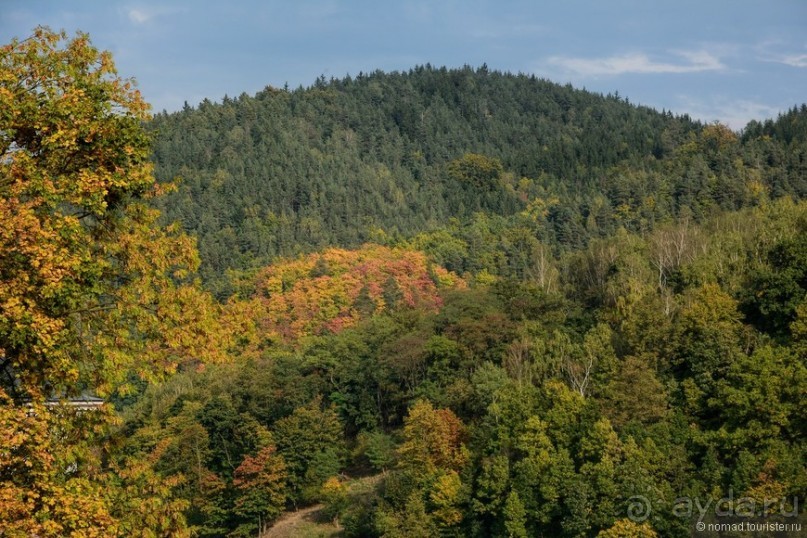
(657, 367)
(615, 275)
(385, 156)
(458, 303)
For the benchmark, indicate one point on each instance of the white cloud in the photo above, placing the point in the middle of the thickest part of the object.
(138, 16)
(693, 62)
(319, 11)
(143, 14)
(736, 113)
(793, 60)
(485, 29)
(774, 50)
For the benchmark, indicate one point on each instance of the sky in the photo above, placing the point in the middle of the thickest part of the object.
(717, 60)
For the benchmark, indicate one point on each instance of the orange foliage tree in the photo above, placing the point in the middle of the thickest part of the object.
(261, 484)
(91, 291)
(334, 289)
(433, 440)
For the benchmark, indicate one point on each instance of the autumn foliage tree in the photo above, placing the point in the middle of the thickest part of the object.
(432, 440)
(334, 289)
(261, 484)
(91, 290)
(430, 461)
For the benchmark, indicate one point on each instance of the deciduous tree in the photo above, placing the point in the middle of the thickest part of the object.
(91, 290)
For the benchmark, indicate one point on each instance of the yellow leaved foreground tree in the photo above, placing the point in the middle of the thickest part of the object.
(93, 294)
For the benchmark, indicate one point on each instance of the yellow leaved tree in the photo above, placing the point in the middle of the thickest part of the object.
(92, 292)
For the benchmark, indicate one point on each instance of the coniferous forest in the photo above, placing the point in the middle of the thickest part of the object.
(441, 302)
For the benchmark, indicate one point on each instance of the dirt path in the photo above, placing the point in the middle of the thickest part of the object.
(304, 522)
(310, 523)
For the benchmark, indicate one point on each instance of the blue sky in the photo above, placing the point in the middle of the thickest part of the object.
(726, 60)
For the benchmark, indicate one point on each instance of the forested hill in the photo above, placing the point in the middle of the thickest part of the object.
(387, 156)
(573, 318)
